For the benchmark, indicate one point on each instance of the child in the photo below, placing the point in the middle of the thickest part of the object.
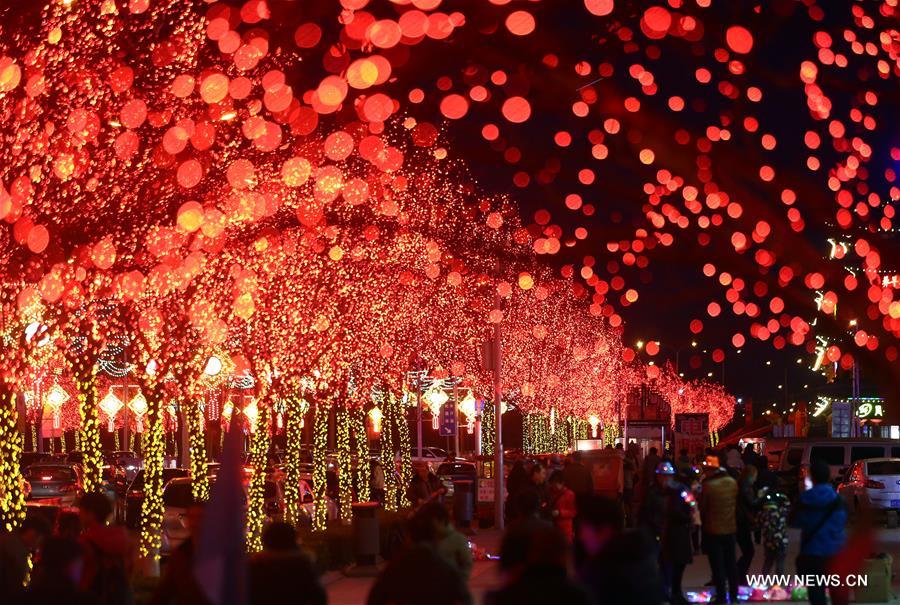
(773, 518)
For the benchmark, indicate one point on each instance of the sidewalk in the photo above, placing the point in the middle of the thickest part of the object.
(353, 591)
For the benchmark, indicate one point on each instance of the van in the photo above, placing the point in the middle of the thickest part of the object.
(839, 454)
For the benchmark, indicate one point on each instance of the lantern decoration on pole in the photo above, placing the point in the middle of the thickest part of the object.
(468, 407)
(55, 399)
(251, 411)
(227, 411)
(375, 417)
(110, 404)
(138, 406)
(436, 397)
(594, 421)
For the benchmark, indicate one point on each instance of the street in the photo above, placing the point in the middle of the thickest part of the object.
(343, 590)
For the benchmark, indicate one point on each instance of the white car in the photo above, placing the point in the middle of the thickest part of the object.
(872, 483)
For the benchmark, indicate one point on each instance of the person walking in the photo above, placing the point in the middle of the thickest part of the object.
(675, 541)
(107, 553)
(747, 509)
(773, 520)
(821, 515)
(648, 468)
(15, 548)
(718, 512)
(562, 505)
(282, 572)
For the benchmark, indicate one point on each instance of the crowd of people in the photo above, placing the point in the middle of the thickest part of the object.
(565, 542)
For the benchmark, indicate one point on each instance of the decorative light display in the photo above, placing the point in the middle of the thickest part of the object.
(296, 409)
(363, 463)
(391, 487)
(111, 405)
(54, 400)
(435, 398)
(375, 418)
(138, 407)
(256, 491)
(320, 466)
(320, 221)
(194, 423)
(467, 407)
(594, 421)
(345, 464)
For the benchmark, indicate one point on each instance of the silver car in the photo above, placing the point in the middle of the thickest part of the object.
(54, 483)
(872, 483)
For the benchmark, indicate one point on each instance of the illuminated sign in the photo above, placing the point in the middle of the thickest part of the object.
(870, 410)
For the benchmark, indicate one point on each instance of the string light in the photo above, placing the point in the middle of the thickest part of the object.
(256, 492)
(320, 466)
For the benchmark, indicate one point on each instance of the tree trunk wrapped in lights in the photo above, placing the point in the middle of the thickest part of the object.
(363, 464)
(345, 464)
(89, 434)
(296, 409)
(320, 466)
(391, 488)
(195, 425)
(12, 498)
(256, 497)
(403, 439)
(154, 458)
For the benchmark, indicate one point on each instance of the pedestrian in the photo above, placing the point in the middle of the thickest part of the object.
(68, 525)
(419, 575)
(107, 552)
(178, 585)
(376, 481)
(653, 507)
(821, 515)
(733, 461)
(536, 488)
(620, 566)
(629, 477)
(56, 576)
(431, 524)
(562, 505)
(675, 540)
(282, 572)
(648, 468)
(718, 512)
(16, 547)
(683, 465)
(538, 573)
(747, 509)
(773, 519)
(577, 476)
(423, 487)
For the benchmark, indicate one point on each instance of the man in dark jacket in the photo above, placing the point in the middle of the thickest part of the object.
(675, 541)
(648, 468)
(718, 512)
(821, 516)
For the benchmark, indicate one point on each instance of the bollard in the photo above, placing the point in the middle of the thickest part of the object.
(366, 540)
(463, 503)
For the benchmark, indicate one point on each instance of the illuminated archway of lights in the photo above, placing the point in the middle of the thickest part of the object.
(294, 193)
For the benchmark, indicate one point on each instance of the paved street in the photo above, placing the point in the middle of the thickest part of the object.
(353, 591)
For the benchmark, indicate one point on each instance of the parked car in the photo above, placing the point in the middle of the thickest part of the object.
(451, 472)
(431, 457)
(839, 454)
(873, 483)
(134, 495)
(130, 462)
(54, 483)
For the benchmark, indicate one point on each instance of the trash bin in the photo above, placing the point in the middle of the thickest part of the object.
(366, 541)
(463, 502)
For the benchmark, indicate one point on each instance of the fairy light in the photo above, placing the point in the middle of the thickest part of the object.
(320, 466)
(256, 502)
(404, 443)
(12, 499)
(296, 410)
(345, 466)
(391, 488)
(152, 505)
(363, 463)
(194, 423)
